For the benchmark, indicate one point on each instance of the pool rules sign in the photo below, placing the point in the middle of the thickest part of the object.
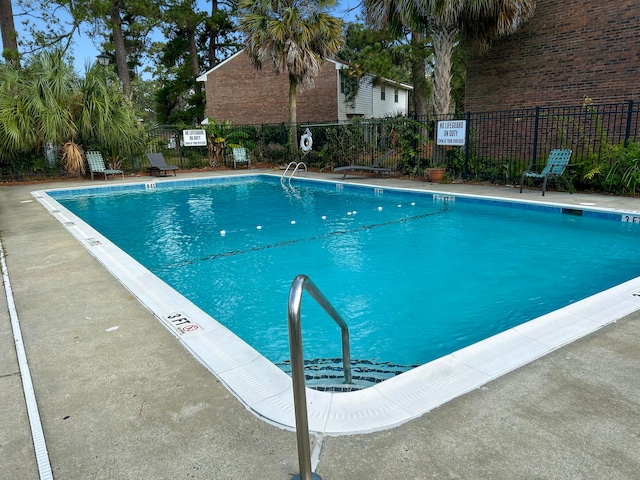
(194, 138)
(452, 132)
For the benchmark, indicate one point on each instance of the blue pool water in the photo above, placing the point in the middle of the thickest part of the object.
(415, 277)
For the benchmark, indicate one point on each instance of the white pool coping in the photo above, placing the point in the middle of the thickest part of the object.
(266, 390)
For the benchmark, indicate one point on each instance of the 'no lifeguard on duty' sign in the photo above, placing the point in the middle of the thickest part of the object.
(452, 132)
(194, 138)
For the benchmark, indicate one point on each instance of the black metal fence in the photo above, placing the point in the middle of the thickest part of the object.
(504, 143)
(266, 142)
(498, 145)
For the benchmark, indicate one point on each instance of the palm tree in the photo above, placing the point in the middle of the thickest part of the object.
(293, 37)
(106, 118)
(478, 21)
(411, 18)
(33, 104)
(448, 21)
(47, 104)
(17, 132)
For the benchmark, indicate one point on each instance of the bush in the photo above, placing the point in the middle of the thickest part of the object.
(624, 174)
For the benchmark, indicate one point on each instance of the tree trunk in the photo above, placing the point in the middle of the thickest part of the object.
(9, 35)
(213, 38)
(120, 50)
(421, 88)
(444, 39)
(193, 54)
(293, 112)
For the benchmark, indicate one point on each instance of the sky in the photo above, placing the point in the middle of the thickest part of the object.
(85, 52)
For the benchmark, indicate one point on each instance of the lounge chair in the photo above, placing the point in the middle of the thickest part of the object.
(240, 156)
(96, 165)
(553, 170)
(368, 168)
(159, 165)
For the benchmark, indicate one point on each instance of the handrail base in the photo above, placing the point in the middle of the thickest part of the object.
(314, 476)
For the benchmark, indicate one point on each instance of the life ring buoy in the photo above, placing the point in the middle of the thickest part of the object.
(306, 142)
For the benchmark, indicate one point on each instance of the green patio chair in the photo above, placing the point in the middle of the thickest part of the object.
(240, 156)
(96, 165)
(553, 170)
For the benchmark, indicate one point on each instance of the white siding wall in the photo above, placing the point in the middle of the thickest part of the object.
(388, 106)
(361, 105)
(368, 103)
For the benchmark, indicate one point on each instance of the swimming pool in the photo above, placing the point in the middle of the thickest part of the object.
(360, 225)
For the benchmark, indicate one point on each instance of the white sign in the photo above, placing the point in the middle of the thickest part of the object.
(194, 138)
(452, 132)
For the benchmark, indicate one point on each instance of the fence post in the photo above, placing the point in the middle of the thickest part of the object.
(627, 131)
(467, 136)
(177, 137)
(535, 136)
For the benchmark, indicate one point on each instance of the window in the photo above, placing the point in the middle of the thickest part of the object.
(395, 95)
(343, 83)
(382, 93)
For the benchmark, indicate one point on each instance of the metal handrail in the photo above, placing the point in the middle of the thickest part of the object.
(299, 284)
(296, 167)
(287, 169)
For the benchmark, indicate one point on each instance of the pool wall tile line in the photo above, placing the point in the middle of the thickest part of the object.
(525, 204)
(266, 390)
(92, 190)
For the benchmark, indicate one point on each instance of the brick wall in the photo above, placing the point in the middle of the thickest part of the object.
(568, 50)
(237, 92)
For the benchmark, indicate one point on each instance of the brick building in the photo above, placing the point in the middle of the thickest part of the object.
(568, 50)
(238, 92)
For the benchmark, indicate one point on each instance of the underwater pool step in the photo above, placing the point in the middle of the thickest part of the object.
(326, 374)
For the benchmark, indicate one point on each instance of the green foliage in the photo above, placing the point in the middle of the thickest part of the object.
(348, 142)
(221, 138)
(595, 162)
(379, 53)
(624, 174)
(478, 22)
(407, 135)
(46, 103)
(37, 104)
(459, 77)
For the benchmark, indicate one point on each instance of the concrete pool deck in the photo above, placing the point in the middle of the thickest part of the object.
(120, 398)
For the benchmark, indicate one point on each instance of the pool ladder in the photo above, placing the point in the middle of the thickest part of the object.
(299, 284)
(296, 166)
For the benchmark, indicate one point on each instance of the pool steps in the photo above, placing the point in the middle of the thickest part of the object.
(327, 375)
